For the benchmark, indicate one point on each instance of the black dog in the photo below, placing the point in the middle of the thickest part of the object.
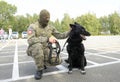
(75, 48)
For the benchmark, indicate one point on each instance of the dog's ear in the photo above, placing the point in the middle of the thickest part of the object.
(72, 25)
(76, 23)
(79, 25)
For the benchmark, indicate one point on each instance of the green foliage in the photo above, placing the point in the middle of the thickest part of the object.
(6, 14)
(90, 22)
(104, 21)
(114, 20)
(65, 22)
(22, 22)
(57, 25)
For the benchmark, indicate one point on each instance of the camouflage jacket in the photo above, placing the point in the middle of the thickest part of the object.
(37, 34)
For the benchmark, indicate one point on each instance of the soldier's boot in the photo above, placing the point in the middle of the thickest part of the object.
(38, 74)
(45, 67)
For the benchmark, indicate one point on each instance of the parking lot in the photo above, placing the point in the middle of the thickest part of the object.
(102, 53)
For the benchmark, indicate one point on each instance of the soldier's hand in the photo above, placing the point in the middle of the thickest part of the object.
(52, 39)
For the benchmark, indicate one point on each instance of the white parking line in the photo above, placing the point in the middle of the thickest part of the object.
(92, 62)
(15, 73)
(98, 54)
(61, 67)
(4, 46)
(32, 76)
(6, 64)
(61, 71)
(26, 62)
(103, 64)
(6, 56)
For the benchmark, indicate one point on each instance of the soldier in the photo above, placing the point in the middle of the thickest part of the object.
(38, 36)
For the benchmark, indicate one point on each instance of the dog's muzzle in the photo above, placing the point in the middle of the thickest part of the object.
(83, 36)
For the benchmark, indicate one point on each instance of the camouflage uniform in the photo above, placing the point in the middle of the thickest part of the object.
(38, 35)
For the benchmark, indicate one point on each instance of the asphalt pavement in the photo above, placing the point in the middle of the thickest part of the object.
(102, 53)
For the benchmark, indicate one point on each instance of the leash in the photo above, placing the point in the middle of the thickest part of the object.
(69, 37)
(57, 51)
(65, 44)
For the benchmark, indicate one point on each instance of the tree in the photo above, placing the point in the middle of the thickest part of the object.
(32, 19)
(114, 20)
(57, 25)
(105, 24)
(21, 23)
(65, 22)
(90, 22)
(6, 14)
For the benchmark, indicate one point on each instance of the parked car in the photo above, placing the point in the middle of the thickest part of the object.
(15, 35)
(6, 35)
(24, 34)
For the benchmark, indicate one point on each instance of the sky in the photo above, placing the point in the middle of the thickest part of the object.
(74, 8)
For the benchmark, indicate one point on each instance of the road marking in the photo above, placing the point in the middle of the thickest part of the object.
(15, 73)
(32, 76)
(63, 69)
(92, 62)
(6, 56)
(7, 51)
(4, 46)
(6, 64)
(103, 64)
(26, 62)
(98, 54)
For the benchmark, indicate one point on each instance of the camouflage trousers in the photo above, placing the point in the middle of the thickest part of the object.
(39, 53)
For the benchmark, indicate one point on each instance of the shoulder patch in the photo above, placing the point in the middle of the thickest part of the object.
(30, 30)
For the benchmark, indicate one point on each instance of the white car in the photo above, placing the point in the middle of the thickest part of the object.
(15, 35)
(24, 34)
(5, 35)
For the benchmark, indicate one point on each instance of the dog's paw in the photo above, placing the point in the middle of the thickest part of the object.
(83, 72)
(69, 72)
